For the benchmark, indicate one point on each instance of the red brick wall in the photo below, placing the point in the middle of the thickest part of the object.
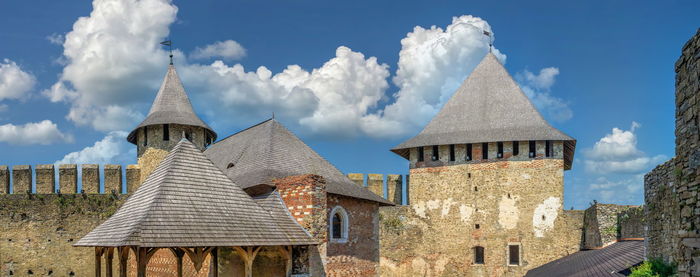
(359, 256)
(305, 197)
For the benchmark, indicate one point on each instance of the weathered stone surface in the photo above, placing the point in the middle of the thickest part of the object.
(394, 188)
(45, 178)
(90, 178)
(68, 178)
(511, 201)
(133, 177)
(357, 178)
(375, 183)
(4, 179)
(602, 224)
(113, 178)
(21, 179)
(38, 232)
(671, 188)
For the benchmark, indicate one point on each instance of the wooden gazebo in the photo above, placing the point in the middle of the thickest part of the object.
(187, 205)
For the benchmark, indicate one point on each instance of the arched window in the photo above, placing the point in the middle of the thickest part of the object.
(339, 225)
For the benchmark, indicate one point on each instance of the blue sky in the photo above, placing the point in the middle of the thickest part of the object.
(589, 66)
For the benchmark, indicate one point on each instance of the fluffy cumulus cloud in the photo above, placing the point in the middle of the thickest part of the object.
(538, 86)
(43, 132)
(112, 57)
(14, 82)
(113, 60)
(617, 152)
(227, 50)
(113, 148)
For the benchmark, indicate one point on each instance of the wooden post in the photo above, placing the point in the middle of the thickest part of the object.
(108, 261)
(179, 253)
(248, 254)
(214, 272)
(98, 261)
(143, 254)
(287, 252)
(123, 258)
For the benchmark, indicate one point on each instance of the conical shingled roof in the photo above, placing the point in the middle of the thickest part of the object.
(489, 106)
(268, 151)
(171, 106)
(188, 202)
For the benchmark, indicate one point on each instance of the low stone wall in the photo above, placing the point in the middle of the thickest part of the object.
(38, 231)
(602, 226)
(631, 223)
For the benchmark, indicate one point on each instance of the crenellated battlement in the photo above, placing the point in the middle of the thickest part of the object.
(69, 179)
(392, 184)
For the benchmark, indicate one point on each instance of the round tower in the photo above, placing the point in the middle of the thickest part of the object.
(170, 119)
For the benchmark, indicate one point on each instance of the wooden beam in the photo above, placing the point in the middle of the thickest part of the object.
(197, 255)
(179, 253)
(108, 261)
(248, 254)
(214, 272)
(123, 259)
(143, 254)
(98, 261)
(287, 253)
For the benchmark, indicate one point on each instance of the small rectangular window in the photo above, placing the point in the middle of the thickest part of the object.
(420, 154)
(188, 136)
(516, 148)
(485, 151)
(514, 254)
(469, 152)
(533, 149)
(548, 148)
(452, 152)
(500, 150)
(145, 135)
(478, 255)
(436, 153)
(166, 132)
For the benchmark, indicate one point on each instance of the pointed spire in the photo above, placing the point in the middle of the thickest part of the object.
(171, 106)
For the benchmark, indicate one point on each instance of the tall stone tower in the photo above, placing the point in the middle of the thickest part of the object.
(486, 186)
(171, 117)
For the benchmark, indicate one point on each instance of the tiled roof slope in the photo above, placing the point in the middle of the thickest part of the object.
(489, 106)
(171, 106)
(613, 260)
(269, 151)
(188, 202)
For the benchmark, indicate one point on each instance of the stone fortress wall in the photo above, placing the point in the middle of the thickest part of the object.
(42, 218)
(671, 189)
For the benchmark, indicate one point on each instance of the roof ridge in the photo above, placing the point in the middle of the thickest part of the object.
(241, 131)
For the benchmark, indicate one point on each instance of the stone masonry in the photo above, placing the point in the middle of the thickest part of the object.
(671, 196)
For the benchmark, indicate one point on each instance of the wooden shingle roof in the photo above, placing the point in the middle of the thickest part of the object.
(269, 151)
(189, 202)
(489, 106)
(171, 106)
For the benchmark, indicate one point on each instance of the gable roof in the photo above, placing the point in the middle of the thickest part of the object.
(613, 260)
(489, 106)
(171, 106)
(187, 202)
(268, 151)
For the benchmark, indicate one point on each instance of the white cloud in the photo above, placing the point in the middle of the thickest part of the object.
(625, 190)
(55, 38)
(538, 87)
(617, 153)
(14, 82)
(228, 50)
(113, 148)
(44, 132)
(114, 66)
(113, 60)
